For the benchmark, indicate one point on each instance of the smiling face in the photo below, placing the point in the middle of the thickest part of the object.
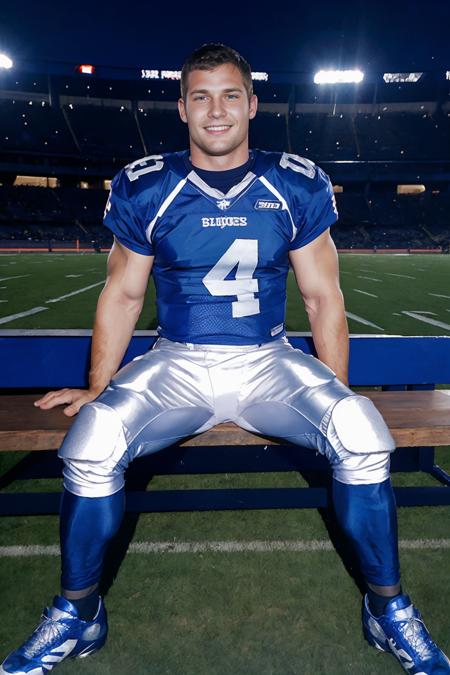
(217, 110)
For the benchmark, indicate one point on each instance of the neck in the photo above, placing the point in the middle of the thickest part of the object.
(231, 160)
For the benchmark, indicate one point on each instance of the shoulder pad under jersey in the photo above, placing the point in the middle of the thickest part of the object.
(144, 178)
(306, 190)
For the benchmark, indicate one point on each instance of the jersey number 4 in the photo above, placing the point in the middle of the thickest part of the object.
(242, 255)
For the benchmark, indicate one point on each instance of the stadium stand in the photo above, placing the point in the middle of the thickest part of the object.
(369, 139)
(324, 136)
(34, 126)
(162, 130)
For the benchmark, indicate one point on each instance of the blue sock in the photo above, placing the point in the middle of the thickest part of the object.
(87, 524)
(86, 607)
(377, 602)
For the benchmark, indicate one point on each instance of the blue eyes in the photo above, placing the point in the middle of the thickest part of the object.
(229, 97)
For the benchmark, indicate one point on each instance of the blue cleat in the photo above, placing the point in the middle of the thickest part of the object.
(401, 631)
(60, 634)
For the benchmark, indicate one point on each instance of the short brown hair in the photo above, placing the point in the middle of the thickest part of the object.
(212, 55)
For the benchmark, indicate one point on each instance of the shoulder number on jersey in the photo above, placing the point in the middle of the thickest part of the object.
(144, 165)
(244, 254)
(298, 164)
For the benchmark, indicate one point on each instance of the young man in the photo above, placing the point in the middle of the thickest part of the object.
(218, 227)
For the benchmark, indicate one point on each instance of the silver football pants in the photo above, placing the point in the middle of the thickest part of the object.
(178, 390)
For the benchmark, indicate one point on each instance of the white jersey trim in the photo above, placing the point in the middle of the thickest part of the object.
(217, 194)
(279, 196)
(164, 206)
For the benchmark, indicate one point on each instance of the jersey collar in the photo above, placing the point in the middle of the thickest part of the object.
(236, 190)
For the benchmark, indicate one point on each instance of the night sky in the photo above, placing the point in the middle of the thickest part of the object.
(280, 36)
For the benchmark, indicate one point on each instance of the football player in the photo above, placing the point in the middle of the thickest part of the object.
(218, 227)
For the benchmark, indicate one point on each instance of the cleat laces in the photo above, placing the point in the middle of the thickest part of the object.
(48, 632)
(416, 634)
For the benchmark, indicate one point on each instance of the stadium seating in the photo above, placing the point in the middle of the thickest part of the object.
(324, 137)
(105, 130)
(162, 130)
(382, 220)
(34, 126)
(79, 130)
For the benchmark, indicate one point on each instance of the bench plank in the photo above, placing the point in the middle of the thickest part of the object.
(415, 418)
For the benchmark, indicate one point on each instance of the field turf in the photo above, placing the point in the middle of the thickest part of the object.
(404, 295)
(210, 612)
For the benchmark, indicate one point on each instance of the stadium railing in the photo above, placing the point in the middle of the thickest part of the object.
(403, 370)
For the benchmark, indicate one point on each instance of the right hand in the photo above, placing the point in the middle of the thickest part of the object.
(74, 397)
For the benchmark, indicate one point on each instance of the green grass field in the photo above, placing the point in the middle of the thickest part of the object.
(405, 295)
(230, 613)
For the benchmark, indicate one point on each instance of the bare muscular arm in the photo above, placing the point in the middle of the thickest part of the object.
(316, 270)
(118, 309)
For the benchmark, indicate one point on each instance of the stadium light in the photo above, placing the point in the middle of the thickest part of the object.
(402, 77)
(5, 62)
(338, 76)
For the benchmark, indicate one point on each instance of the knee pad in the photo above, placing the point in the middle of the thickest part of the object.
(94, 451)
(361, 440)
(363, 469)
(114, 429)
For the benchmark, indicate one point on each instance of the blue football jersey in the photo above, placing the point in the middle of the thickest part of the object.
(220, 260)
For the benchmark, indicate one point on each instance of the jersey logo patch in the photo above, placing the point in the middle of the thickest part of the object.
(267, 204)
(223, 204)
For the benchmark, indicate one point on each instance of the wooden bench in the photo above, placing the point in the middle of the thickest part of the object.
(415, 418)
(418, 419)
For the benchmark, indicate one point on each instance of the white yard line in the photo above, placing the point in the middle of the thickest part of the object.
(148, 547)
(360, 319)
(80, 290)
(425, 319)
(35, 310)
(13, 317)
(404, 276)
(73, 276)
(372, 295)
(20, 276)
(438, 295)
(370, 279)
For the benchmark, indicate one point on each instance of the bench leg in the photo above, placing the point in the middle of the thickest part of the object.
(441, 475)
